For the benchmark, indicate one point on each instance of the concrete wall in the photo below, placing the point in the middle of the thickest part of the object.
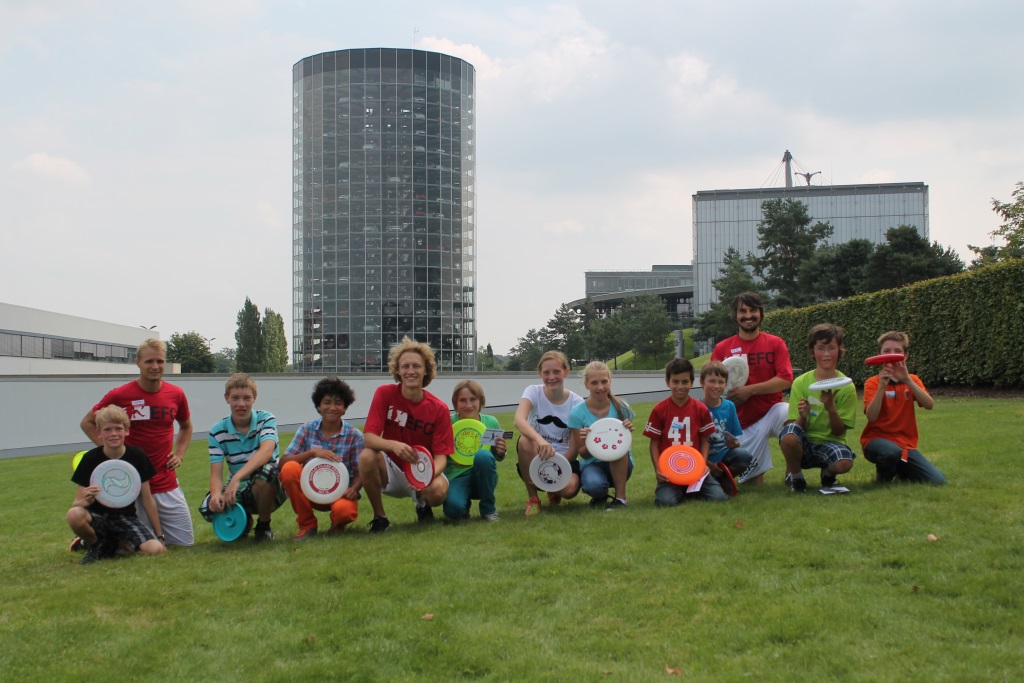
(40, 415)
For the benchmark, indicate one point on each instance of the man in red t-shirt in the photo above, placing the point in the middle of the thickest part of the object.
(402, 416)
(759, 403)
(153, 406)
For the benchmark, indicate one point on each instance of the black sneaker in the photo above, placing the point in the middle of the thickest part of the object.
(797, 484)
(92, 553)
(827, 480)
(617, 504)
(379, 525)
(599, 501)
(262, 533)
(424, 513)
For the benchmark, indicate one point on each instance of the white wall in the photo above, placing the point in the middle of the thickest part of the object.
(40, 415)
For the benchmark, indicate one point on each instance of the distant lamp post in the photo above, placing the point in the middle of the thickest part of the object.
(151, 327)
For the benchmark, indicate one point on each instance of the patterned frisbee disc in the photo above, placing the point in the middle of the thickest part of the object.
(682, 465)
(420, 473)
(552, 474)
(324, 481)
(608, 439)
(739, 371)
(119, 483)
(468, 435)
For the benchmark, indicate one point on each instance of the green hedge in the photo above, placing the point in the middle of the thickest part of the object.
(965, 329)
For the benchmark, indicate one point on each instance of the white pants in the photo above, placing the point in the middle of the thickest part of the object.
(755, 440)
(175, 518)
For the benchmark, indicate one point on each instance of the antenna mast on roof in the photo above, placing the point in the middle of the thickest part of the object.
(808, 176)
(787, 159)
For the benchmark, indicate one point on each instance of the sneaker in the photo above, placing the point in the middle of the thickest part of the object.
(336, 529)
(492, 517)
(100, 550)
(617, 504)
(424, 513)
(262, 533)
(305, 534)
(92, 553)
(77, 545)
(599, 501)
(827, 480)
(796, 484)
(532, 507)
(554, 499)
(379, 525)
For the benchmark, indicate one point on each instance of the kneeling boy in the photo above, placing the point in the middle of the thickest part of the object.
(890, 438)
(677, 420)
(101, 528)
(247, 439)
(815, 435)
(330, 438)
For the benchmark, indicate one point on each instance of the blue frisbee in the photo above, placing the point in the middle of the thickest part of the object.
(231, 524)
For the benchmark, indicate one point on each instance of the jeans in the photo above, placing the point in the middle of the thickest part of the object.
(596, 478)
(477, 484)
(669, 495)
(886, 457)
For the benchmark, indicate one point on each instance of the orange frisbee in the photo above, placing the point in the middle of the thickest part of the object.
(681, 465)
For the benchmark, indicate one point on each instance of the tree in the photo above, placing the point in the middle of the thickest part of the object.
(734, 278)
(274, 342)
(565, 333)
(607, 339)
(1011, 231)
(249, 339)
(225, 359)
(192, 351)
(905, 258)
(485, 359)
(588, 319)
(786, 239)
(837, 271)
(647, 325)
(527, 352)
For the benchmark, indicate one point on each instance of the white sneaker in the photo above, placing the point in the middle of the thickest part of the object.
(493, 517)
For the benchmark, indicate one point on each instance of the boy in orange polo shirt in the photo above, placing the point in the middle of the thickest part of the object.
(890, 438)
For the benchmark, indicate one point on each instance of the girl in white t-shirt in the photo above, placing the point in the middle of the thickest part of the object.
(542, 419)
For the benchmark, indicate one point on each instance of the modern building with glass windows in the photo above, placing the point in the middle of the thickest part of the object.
(383, 197)
(729, 218)
(608, 289)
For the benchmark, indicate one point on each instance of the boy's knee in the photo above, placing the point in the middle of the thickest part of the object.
(290, 472)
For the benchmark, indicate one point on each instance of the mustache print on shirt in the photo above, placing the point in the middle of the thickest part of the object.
(552, 419)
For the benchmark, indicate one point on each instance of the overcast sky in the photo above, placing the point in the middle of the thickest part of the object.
(145, 148)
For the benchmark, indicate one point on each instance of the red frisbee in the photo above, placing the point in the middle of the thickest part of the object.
(883, 358)
(681, 465)
(420, 473)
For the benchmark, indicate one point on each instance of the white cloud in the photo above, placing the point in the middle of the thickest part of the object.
(41, 163)
(486, 67)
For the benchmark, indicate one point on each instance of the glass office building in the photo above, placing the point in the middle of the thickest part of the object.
(383, 208)
(729, 218)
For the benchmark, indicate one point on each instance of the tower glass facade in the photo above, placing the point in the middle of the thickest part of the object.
(383, 208)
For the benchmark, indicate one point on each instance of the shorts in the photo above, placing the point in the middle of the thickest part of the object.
(245, 496)
(398, 486)
(817, 455)
(175, 518)
(574, 465)
(118, 528)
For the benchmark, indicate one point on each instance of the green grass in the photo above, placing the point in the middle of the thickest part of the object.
(808, 588)
(629, 361)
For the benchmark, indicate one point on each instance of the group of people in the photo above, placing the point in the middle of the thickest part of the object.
(731, 429)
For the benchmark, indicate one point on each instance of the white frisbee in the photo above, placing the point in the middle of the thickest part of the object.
(739, 371)
(830, 384)
(552, 474)
(323, 481)
(119, 483)
(608, 439)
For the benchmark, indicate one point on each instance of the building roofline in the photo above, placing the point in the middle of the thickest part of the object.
(814, 190)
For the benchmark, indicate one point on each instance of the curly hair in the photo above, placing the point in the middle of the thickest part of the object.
(426, 353)
(332, 386)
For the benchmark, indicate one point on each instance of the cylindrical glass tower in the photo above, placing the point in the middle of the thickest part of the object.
(383, 202)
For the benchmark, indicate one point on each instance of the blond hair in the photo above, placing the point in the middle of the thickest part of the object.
(240, 380)
(596, 366)
(426, 353)
(714, 367)
(901, 337)
(111, 415)
(474, 388)
(151, 344)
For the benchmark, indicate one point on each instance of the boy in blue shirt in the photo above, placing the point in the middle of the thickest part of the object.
(726, 459)
(247, 440)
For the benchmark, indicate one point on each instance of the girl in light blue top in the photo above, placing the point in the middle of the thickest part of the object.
(596, 476)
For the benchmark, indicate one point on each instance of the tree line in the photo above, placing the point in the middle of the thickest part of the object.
(261, 345)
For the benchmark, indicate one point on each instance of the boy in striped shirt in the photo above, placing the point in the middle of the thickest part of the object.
(247, 440)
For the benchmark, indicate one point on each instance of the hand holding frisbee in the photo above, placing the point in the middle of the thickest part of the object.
(682, 465)
(232, 523)
(739, 371)
(608, 439)
(830, 384)
(118, 482)
(324, 481)
(419, 474)
(552, 474)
